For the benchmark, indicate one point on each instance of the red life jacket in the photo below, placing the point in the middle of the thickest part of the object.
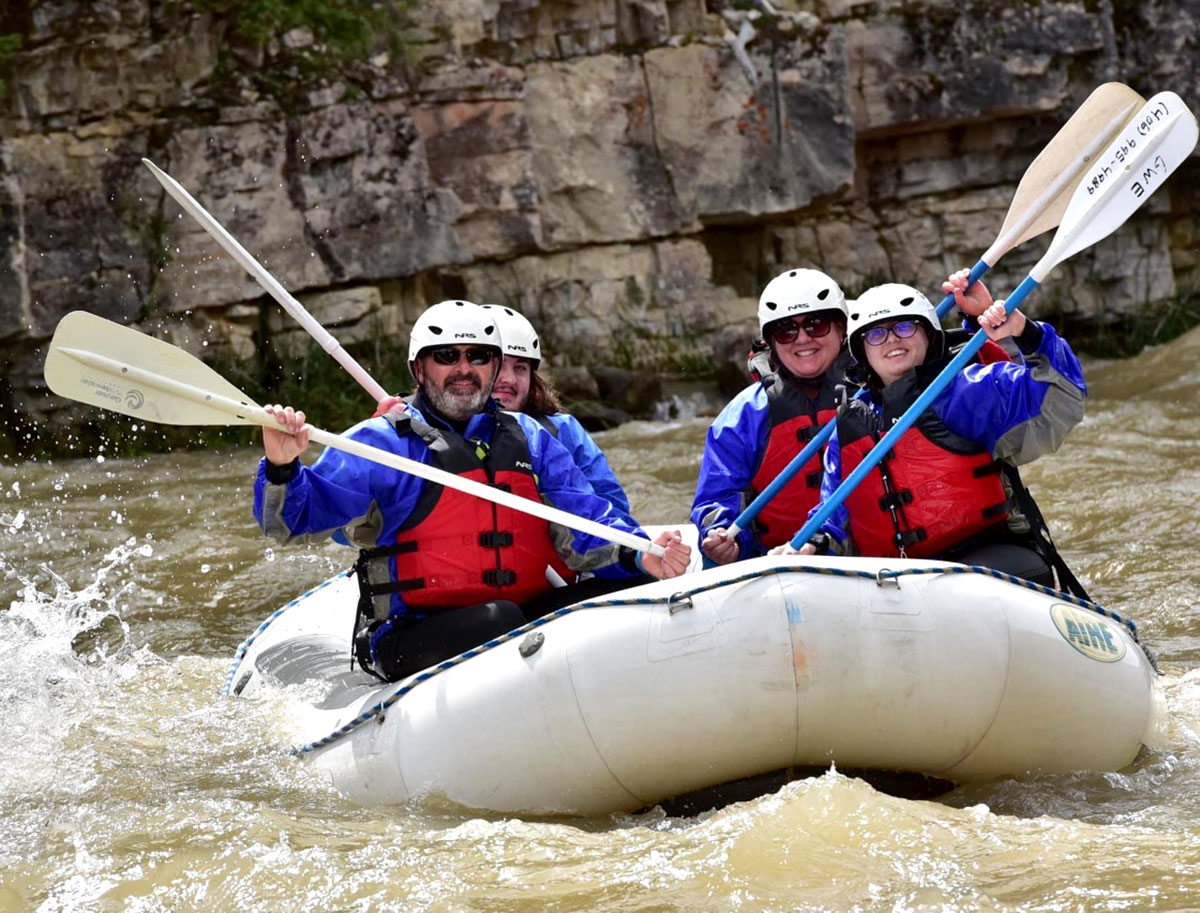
(934, 489)
(455, 549)
(793, 419)
(990, 353)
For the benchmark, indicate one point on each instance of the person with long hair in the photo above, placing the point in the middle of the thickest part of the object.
(521, 388)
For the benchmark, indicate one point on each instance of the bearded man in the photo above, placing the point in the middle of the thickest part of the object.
(441, 571)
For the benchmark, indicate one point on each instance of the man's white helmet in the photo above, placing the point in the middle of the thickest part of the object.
(798, 291)
(517, 335)
(892, 301)
(452, 323)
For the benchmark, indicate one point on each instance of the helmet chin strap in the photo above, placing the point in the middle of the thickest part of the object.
(778, 365)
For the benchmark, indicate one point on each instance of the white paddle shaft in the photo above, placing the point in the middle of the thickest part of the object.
(268, 282)
(251, 413)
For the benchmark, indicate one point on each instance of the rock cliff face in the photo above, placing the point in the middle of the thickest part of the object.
(627, 173)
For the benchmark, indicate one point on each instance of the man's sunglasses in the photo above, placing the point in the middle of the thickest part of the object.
(815, 325)
(877, 336)
(451, 355)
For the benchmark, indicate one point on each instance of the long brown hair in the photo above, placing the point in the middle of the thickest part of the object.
(543, 398)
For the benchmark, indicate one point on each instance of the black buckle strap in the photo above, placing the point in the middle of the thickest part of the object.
(807, 433)
(495, 539)
(813, 479)
(895, 499)
(988, 469)
(499, 577)
(387, 551)
(911, 537)
(399, 586)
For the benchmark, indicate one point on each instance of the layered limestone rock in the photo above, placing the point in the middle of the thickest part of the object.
(628, 173)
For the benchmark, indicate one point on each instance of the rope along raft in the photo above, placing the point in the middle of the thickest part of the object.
(379, 710)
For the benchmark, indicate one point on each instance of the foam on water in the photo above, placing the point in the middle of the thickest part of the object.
(59, 648)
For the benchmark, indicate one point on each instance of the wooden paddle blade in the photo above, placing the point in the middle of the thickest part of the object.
(101, 363)
(1159, 138)
(1048, 182)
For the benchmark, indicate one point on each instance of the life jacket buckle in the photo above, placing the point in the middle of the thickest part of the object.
(499, 577)
(494, 539)
(807, 433)
(895, 499)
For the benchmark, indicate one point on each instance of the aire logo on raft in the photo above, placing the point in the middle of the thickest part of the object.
(1088, 633)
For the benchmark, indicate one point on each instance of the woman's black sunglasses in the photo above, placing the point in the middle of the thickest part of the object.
(451, 355)
(815, 325)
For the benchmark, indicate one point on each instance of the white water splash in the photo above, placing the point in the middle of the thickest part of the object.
(59, 649)
(17, 523)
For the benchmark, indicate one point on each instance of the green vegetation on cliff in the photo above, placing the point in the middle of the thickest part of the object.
(9, 45)
(348, 28)
(297, 44)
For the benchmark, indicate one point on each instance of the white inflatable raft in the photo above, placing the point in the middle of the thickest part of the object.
(717, 676)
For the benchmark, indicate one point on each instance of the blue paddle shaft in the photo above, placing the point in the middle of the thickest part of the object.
(905, 421)
(746, 517)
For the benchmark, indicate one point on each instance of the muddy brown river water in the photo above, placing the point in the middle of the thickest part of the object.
(127, 783)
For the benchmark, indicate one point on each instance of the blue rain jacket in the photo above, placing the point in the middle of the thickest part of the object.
(1019, 410)
(732, 451)
(363, 504)
(591, 462)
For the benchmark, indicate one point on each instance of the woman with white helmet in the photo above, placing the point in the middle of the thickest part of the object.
(802, 320)
(520, 388)
(939, 493)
